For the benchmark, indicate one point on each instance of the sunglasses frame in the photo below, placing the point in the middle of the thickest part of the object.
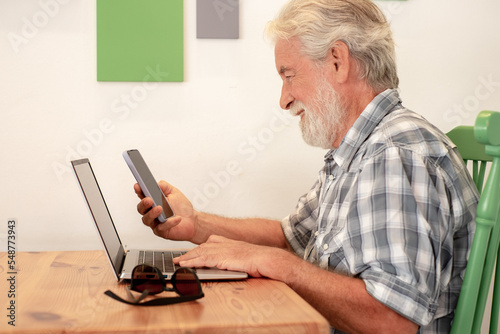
(154, 274)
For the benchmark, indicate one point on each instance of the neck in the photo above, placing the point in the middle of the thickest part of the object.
(355, 100)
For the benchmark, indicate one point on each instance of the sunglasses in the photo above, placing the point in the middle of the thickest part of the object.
(148, 280)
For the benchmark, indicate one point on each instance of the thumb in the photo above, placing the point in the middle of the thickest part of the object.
(166, 187)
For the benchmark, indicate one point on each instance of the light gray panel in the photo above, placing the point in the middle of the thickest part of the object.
(217, 19)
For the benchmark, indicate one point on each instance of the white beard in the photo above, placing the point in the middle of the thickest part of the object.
(321, 122)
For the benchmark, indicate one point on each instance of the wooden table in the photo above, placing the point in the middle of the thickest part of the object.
(63, 292)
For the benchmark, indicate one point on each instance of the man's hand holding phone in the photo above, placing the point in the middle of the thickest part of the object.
(147, 183)
(155, 206)
(179, 227)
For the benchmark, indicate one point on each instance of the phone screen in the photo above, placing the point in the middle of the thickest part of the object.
(147, 182)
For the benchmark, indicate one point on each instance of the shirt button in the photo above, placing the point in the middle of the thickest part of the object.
(325, 246)
(331, 177)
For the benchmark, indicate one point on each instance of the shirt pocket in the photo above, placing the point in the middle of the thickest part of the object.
(331, 246)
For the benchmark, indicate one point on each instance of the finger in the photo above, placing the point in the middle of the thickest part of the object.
(150, 217)
(164, 228)
(145, 205)
(203, 249)
(194, 261)
(188, 256)
(138, 191)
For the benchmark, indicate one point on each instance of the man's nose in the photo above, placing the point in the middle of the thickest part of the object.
(286, 98)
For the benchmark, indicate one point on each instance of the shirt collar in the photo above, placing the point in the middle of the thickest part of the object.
(375, 111)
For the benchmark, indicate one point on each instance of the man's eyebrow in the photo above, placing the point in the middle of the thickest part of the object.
(283, 69)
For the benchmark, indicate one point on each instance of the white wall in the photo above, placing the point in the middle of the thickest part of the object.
(52, 107)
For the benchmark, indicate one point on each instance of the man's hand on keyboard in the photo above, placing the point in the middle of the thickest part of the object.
(224, 253)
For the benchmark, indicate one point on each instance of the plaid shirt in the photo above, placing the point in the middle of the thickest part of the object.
(394, 205)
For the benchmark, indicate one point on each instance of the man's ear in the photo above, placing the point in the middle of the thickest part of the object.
(340, 61)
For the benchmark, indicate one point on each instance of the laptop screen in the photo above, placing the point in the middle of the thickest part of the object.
(100, 213)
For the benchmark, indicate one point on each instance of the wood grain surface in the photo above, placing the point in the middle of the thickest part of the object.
(63, 292)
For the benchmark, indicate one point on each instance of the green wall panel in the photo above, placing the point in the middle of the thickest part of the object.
(140, 40)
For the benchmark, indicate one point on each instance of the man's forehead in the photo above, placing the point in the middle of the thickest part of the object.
(287, 45)
(286, 52)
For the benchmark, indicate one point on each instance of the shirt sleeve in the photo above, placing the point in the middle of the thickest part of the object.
(400, 231)
(302, 222)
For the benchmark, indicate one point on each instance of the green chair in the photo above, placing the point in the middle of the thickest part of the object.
(483, 256)
(471, 150)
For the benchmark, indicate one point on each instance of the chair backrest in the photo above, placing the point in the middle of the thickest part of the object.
(471, 150)
(483, 256)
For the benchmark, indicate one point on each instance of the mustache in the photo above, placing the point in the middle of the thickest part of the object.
(296, 108)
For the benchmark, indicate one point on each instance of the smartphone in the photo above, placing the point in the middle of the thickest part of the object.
(147, 182)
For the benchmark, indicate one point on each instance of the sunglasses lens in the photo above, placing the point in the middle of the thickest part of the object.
(145, 277)
(186, 283)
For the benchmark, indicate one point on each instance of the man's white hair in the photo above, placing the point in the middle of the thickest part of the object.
(360, 24)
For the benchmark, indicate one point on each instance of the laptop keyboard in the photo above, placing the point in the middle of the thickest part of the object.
(163, 260)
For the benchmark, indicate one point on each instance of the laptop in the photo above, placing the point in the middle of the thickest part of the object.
(123, 261)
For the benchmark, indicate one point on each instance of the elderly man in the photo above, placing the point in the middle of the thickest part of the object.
(380, 242)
